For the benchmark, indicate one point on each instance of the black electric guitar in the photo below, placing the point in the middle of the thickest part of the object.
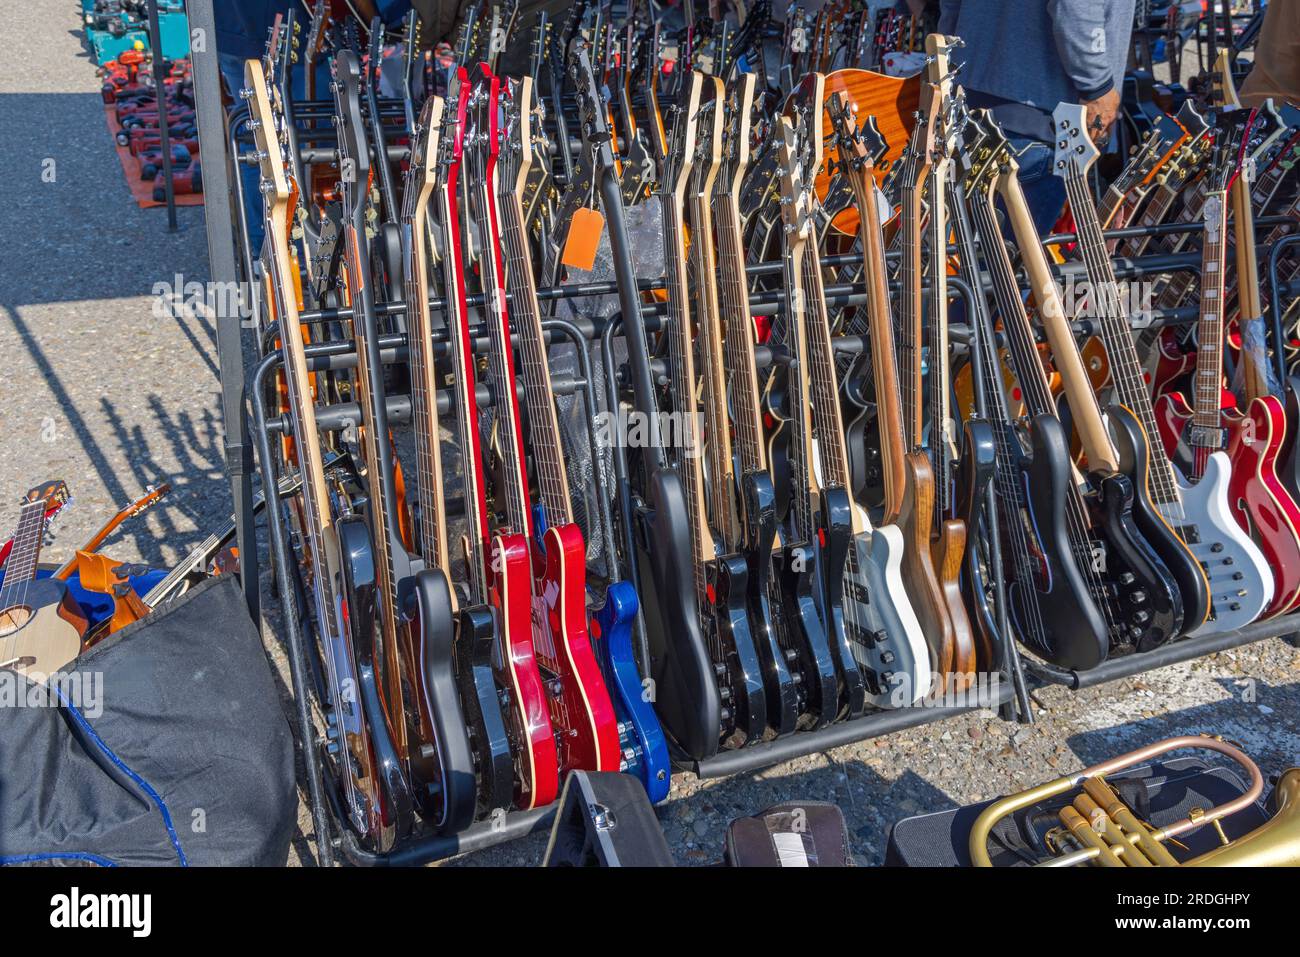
(687, 678)
(1123, 571)
(445, 683)
(410, 607)
(770, 621)
(720, 578)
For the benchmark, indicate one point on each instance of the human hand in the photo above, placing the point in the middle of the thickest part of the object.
(1101, 114)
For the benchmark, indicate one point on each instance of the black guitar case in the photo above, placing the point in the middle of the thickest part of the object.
(164, 745)
(1161, 793)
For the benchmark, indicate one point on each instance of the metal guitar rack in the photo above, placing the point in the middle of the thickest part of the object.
(231, 254)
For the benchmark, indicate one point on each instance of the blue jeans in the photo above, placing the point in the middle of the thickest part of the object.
(1044, 192)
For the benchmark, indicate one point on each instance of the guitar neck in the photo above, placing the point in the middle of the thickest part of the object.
(828, 425)
(794, 338)
(943, 441)
(910, 328)
(889, 414)
(1065, 351)
(739, 334)
(1207, 398)
(683, 385)
(709, 330)
(25, 554)
(464, 384)
(548, 453)
(501, 363)
(424, 404)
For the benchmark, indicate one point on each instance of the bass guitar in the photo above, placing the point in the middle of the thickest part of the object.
(499, 567)
(1227, 563)
(582, 715)
(1192, 431)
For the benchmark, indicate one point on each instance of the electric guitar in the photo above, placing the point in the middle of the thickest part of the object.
(1239, 581)
(472, 760)
(642, 743)
(1130, 587)
(586, 731)
(773, 625)
(358, 741)
(720, 579)
(1253, 438)
(874, 622)
(41, 626)
(499, 567)
(910, 480)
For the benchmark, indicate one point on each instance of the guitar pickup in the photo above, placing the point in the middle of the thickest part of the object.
(1206, 437)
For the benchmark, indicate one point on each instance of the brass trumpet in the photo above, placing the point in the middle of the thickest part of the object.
(1104, 832)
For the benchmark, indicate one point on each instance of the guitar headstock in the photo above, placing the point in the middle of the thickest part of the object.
(538, 45)
(990, 154)
(1165, 135)
(482, 132)
(354, 155)
(52, 495)
(792, 157)
(806, 105)
(708, 149)
(1074, 147)
(518, 139)
(679, 156)
(152, 496)
(1265, 130)
(739, 124)
(1230, 136)
(265, 122)
(859, 144)
(316, 32)
(1223, 88)
(425, 141)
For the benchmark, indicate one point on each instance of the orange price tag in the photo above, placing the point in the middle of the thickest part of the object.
(584, 237)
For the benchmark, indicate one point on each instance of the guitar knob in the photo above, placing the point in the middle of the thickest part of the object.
(719, 669)
(1138, 597)
(878, 637)
(1238, 576)
(1235, 606)
(724, 693)
(791, 655)
(725, 715)
(1216, 547)
(887, 657)
(1141, 617)
(1127, 578)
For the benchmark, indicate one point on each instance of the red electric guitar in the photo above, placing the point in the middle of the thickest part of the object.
(499, 563)
(1259, 501)
(580, 708)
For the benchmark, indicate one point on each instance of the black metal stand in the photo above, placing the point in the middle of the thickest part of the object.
(1007, 689)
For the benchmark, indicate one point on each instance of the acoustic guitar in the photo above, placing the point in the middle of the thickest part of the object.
(40, 624)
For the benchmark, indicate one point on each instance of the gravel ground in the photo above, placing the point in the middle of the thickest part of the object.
(100, 392)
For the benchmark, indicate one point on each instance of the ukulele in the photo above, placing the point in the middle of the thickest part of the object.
(41, 625)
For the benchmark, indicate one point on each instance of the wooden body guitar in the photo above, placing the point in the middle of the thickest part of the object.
(40, 627)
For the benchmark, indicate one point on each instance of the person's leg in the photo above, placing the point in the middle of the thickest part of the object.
(1044, 192)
